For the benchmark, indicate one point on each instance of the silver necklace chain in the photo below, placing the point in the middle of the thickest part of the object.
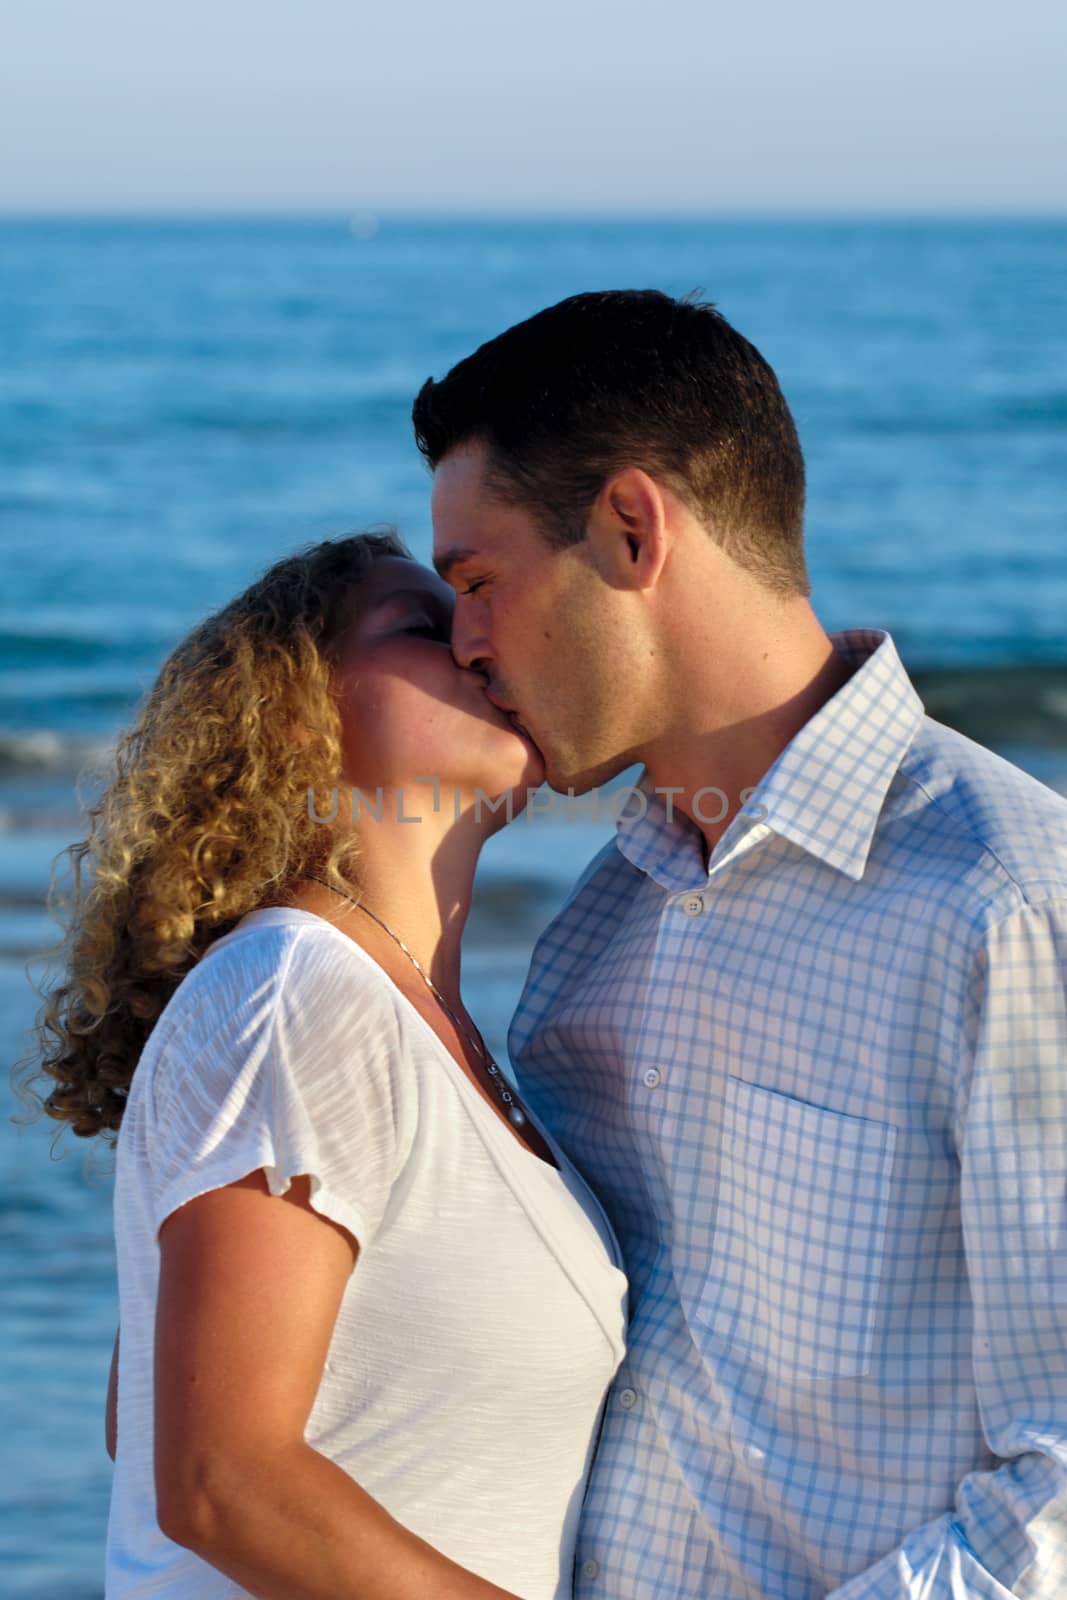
(508, 1097)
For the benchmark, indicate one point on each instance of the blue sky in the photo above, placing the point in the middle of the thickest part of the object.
(944, 106)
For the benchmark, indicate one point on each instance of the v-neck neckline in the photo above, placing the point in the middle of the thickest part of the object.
(453, 1065)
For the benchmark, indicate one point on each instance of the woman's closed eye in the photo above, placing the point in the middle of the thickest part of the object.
(432, 630)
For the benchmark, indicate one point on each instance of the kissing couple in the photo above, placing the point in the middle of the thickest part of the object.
(751, 1283)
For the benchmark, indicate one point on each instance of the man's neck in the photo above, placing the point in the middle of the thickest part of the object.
(727, 753)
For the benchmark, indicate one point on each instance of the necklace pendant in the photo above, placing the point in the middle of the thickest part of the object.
(516, 1116)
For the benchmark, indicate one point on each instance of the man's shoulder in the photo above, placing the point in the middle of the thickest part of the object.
(1008, 829)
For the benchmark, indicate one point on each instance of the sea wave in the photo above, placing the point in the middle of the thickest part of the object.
(45, 750)
(1019, 704)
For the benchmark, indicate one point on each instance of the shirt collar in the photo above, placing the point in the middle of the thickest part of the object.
(824, 792)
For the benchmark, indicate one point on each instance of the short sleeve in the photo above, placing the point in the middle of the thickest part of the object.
(285, 1054)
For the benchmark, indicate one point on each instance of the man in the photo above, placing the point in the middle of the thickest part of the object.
(802, 1022)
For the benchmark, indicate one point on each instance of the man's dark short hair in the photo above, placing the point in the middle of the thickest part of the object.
(631, 378)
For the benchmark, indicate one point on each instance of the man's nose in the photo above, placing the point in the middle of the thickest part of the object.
(470, 648)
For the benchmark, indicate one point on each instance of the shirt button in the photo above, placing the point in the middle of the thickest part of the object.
(627, 1399)
(590, 1569)
(693, 906)
(652, 1077)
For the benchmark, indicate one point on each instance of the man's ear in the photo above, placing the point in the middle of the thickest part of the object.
(629, 529)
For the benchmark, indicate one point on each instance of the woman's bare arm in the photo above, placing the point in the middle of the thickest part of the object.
(111, 1404)
(250, 1286)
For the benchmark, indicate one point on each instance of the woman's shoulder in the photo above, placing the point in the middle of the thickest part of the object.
(283, 944)
(277, 960)
(281, 1050)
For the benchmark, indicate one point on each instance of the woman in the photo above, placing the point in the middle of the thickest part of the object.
(310, 1097)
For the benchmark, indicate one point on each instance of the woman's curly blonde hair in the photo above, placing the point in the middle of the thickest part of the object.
(207, 815)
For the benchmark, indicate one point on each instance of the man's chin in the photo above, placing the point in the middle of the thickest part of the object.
(568, 783)
(531, 779)
(536, 765)
(564, 778)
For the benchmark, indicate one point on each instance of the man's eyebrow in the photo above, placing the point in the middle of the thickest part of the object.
(443, 565)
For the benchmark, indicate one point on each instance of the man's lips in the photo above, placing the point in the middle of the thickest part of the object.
(493, 701)
(509, 712)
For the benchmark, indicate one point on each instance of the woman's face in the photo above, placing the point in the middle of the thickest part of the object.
(409, 711)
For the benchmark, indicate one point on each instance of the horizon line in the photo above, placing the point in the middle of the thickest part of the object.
(364, 214)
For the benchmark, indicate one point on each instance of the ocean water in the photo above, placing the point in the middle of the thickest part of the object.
(181, 401)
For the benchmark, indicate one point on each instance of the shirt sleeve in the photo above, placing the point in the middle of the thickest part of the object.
(286, 1056)
(1007, 1534)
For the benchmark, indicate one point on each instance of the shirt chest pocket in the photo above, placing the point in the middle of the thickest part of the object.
(796, 1255)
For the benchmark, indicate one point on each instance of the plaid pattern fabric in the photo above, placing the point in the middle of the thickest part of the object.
(821, 1088)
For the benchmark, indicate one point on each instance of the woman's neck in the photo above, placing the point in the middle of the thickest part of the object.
(418, 878)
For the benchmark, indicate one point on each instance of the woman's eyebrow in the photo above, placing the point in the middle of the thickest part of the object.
(409, 592)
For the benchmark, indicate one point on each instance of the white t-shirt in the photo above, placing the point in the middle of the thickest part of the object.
(484, 1319)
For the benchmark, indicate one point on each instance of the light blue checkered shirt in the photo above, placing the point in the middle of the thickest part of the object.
(821, 1088)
